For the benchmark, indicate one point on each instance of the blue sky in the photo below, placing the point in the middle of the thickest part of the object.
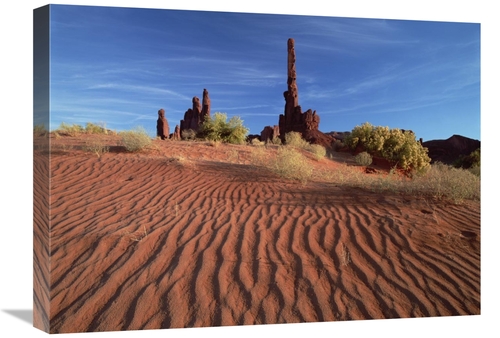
(121, 65)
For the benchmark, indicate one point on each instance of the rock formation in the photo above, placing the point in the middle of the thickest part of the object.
(177, 133)
(195, 116)
(269, 133)
(449, 150)
(293, 118)
(205, 112)
(162, 129)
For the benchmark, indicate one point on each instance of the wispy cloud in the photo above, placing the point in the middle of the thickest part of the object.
(139, 89)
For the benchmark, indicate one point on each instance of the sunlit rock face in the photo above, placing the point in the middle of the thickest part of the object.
(162, 128)
(294, 119)
(199, 112)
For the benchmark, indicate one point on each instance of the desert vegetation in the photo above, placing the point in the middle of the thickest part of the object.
(363, 158)
(75, 129)
(218, 128)
(96, 147)
(295, 140)
(39, 130)
(472, 162)
(188, 135)
(395, 145)
(291, 164)
(297, 160)
(135, 140)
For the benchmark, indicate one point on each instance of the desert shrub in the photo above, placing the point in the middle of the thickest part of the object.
(294, 139)
(259, 156)
(276, 140)
(363, 158)
(290, 163)
(359, 135)
(472, 160)
(135, 140)
(257, 142)
(93, 128)
(69, 129)
(395, 145)
(318, 150)
(96, 146)
(188, 134)
(39, 130)
(475, 171)
(338, 144)
(217, 128)
(442, 180)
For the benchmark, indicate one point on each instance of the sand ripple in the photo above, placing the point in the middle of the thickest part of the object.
(143, 243)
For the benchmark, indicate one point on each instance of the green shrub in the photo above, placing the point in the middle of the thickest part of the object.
(135, 140)
(217, 128)
(392, 144)
(473, 160)
(363, 158)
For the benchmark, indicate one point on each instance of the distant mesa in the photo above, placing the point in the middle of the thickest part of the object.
(338, 135)
(449, 150)
(197, 114)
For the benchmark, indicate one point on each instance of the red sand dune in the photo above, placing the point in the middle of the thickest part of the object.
(174, 238)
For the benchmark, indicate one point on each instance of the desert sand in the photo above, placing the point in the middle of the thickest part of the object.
(192, 235)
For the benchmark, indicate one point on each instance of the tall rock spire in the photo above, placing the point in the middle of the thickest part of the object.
(293, 119)
(205, 112)
(292, 94)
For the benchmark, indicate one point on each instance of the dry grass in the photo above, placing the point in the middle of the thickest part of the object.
(135, 140)
(96, 147)
(136, 236)
(256, 142)
(291, 164)
(317, 150)
(345, 257)
(439, 181)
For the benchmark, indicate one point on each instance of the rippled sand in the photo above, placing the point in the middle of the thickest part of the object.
(164, 241)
